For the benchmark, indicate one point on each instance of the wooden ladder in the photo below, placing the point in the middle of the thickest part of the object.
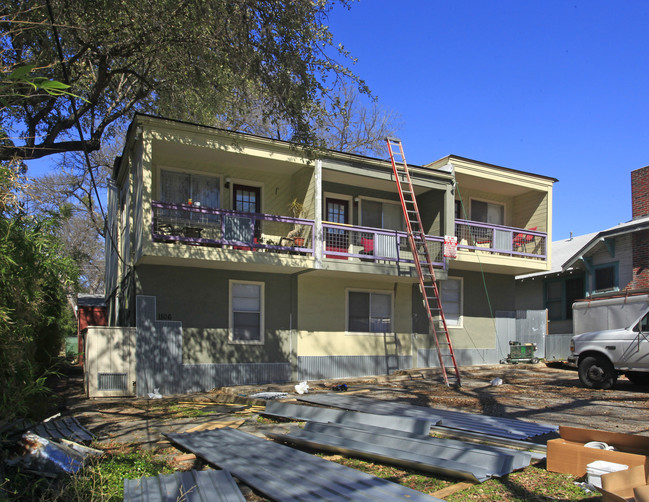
(423, 263)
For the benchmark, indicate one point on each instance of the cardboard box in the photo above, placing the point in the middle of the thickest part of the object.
(631, 485)
(569, 455)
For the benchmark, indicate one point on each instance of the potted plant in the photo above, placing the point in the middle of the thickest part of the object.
(295, 207)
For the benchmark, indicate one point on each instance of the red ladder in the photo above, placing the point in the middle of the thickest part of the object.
(423, 262)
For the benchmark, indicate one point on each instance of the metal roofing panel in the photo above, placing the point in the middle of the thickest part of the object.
(419, 426)
(191, 486)
(63, 428)
(496, 426)
(286, 474)
(448, 457)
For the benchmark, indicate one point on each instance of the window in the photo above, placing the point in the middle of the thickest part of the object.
(451, 296)
(179, 188)
(560, 294)
(487, 212)
(606, 277)
(369, 312)
(246, 312)
(378, 214)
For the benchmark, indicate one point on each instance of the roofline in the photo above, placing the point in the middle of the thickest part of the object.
(486, 164)
(319, 152)
(600, 236)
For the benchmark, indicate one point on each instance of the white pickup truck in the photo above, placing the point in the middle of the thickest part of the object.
(601, 356)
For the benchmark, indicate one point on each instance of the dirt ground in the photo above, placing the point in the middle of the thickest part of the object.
(537, 393)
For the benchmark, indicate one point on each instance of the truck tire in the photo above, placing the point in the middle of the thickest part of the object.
(638, 377)
(597, 372)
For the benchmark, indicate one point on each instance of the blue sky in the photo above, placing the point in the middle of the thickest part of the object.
(558, 88)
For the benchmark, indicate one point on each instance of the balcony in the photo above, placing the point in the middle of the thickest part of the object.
(500, 240)
(221, 228)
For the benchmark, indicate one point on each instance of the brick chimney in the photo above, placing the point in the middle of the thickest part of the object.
(640, 192)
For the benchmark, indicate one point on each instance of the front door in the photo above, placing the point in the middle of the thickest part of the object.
(337, 239)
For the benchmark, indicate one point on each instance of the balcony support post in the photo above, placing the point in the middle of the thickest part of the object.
(317, 230)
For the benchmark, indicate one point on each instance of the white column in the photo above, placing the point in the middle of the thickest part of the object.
(317, 240)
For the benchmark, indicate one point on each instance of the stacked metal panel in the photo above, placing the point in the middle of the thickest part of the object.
(191, 486)
(419, 426)
(63, 428)
(286, 474)
(443, 456)
(495, 426)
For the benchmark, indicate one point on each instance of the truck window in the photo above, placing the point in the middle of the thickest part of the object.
(643, 325)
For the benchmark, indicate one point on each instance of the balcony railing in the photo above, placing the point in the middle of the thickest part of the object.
(374, 244)
(205, 226)
(497, 239)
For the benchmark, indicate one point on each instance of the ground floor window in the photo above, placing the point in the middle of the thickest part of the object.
(369, 312)
(606, 277)
(451, 296)
(246, 312)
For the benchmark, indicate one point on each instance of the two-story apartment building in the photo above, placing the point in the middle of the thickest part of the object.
(238, 260)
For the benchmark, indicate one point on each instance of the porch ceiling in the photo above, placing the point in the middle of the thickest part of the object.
(495, 186)
(385, 185)
(175, 154)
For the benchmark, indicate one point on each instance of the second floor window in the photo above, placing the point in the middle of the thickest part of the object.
(180, 188)
(487, 212)
(381, 215)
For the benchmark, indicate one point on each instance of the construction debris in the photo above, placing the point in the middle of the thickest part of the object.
(496, 426)
(186, 486)
(416, 426)
(443, 456)
(284, 473)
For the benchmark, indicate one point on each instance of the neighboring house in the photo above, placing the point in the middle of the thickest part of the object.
(91, 311)
(594, 265)
(237, 260)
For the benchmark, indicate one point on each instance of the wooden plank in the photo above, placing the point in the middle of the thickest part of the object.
(220, 424)
(450, 490)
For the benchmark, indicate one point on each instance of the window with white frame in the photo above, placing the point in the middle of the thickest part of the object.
(178, 188)
(451, 296)
(369, 312)
(246, 312)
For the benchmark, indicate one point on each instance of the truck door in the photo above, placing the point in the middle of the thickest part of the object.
(636, 354)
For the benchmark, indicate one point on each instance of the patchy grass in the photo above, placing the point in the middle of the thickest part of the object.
(102, 480)
(533, 483)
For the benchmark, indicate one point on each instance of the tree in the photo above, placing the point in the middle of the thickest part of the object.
(352, 123)
(35, 278)
(71, 192)
(184, 59)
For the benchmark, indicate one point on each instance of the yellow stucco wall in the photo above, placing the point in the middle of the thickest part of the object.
(322, 314)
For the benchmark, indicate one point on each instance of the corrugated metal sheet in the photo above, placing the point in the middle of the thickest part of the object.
(286, 474)
(205, 377)
(427, 358)
(319, 367)
(416, 426)
(158, 351)
(557, 347)
(63, 428)
(191, 486)
(496, 426)
(443, 456)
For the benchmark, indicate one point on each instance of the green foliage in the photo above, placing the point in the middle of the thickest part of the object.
(190, 60)
(102, 480)
(34, 314)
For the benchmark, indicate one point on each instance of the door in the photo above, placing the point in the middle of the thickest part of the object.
(337, 239)
(636, 351)
(247, 199)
